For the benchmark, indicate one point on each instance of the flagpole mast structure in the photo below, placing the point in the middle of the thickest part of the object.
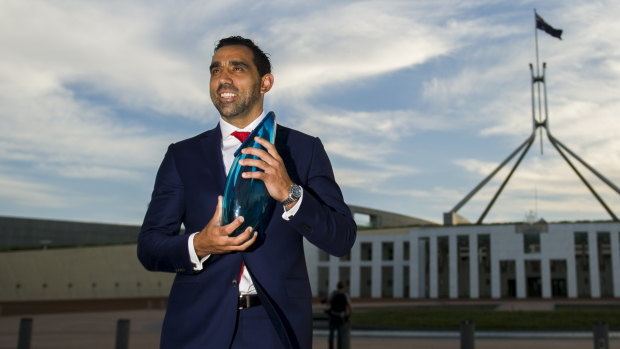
(540, 122)
(538, 76)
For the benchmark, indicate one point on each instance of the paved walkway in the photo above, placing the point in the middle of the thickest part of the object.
(98, 331)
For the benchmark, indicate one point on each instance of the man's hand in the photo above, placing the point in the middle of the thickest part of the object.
(214, 239)
(275, 177)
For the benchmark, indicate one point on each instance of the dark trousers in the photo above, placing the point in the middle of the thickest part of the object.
(337, 324)
(255, 330)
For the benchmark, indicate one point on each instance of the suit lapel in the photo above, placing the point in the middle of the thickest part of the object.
(211, 151)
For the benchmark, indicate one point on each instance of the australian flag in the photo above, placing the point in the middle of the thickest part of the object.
(542, 25)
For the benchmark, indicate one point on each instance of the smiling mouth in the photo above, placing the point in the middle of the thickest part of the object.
(228, 95)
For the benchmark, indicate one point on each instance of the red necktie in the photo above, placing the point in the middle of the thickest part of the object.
(240, 135)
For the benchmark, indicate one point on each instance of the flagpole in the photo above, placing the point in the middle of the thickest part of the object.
(536, 36)
(538, 120)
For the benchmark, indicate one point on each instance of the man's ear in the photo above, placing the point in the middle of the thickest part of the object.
(266, 83)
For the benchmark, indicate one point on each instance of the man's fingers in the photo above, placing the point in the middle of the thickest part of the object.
(260, 153)
(256, 175)
(271, 149)
(217, 216)
(249, 242)
(244, 240)
(241, 241)
(254, 163)
(232, 226)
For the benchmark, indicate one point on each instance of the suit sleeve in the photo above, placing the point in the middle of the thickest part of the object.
(323, 217)
(160, 247)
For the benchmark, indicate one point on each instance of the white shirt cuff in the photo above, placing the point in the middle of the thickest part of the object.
(197, 262)
(290, 213)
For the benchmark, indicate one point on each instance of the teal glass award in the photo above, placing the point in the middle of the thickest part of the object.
(248, 197)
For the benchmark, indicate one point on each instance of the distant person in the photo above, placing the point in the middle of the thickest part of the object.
(339, 312)
(250, 291)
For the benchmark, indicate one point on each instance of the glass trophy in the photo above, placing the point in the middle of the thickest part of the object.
(248, 197)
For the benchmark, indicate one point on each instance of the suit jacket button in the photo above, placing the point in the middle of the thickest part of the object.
(234, 283)
(307, 228)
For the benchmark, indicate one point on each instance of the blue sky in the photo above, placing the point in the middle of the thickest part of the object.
(415, 101)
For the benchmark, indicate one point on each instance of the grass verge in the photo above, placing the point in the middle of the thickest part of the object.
(562, 318)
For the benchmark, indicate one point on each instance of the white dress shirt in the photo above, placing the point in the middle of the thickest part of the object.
(230, 144)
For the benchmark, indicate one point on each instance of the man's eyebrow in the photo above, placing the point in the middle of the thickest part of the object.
(233, 63)
(239, 64)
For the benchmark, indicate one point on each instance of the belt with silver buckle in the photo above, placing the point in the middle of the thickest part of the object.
(248, 301)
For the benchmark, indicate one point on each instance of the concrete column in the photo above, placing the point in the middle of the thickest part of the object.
(334, 273)
(355, 270)
(453, 266)
(415, 267)
(595, 283)
(375, 291)
(398, 269)
(520, 278)
(312, 264)
(433, 267)
(473, 267)
(571, 270)
(545, 276)
(495, 273)
(615, 260)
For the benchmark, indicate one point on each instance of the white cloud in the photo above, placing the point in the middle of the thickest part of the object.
(374, 178)
(342, 42)
(31, 194)
(56, 131)
(114, 48)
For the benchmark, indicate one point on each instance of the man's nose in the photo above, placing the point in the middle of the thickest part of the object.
(225, 77)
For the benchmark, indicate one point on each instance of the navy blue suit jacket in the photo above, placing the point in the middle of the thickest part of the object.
(202, 305)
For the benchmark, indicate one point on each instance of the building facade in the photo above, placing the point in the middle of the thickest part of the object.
(540, 260)
(394, 256)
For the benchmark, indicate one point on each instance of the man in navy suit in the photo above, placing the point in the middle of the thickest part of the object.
(251, 290)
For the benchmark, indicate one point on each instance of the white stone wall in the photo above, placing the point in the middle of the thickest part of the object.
(506, 245)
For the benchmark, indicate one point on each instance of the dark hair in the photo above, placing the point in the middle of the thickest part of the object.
(261, 60)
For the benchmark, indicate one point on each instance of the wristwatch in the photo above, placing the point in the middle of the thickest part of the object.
(294, 193)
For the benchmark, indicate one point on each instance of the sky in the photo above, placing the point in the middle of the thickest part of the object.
(416, 102)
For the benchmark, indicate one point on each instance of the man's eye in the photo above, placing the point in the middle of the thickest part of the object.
(214, 71)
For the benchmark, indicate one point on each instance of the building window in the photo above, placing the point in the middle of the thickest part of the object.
(605, 264)
(443, 266)
(463, 265)
(362, 220)
(387, 276)
(582, 261)
(406, 250)
(365, 282)
(484, 265)
(387, 251)
(366, 249)
(531, 242)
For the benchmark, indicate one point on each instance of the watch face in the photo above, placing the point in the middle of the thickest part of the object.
(296, 191)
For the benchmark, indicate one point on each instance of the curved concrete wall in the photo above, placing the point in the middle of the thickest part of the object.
(78, 273)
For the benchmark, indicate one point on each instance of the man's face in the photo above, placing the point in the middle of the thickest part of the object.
(235, 86)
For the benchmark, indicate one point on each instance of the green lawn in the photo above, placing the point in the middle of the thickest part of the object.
(450, 317)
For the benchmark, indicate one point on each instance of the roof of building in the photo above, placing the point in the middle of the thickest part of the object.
(369, 218)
